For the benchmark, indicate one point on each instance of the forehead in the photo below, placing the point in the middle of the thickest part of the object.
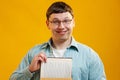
(60, 16)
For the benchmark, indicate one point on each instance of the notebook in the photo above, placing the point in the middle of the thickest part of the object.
(56, 69)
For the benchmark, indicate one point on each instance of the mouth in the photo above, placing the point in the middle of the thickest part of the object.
(61, 32)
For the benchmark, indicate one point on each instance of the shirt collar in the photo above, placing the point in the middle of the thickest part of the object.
(72, 45)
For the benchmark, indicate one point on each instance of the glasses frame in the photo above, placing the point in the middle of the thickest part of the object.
(65, 22)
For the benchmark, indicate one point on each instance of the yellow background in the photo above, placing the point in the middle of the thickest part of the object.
(22, 26)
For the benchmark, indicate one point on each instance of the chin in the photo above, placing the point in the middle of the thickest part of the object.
(63, 38)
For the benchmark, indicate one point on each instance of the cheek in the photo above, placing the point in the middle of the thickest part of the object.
(52, 29)
(70, 28)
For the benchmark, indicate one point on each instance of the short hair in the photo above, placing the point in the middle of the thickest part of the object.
(59, 7)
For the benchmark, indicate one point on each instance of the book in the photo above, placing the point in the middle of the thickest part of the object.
(56, 69)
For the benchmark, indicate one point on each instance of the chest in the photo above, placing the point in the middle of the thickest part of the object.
(80, 69)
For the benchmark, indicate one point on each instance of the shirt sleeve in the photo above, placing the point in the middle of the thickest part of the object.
(96, 68)
(22, 73)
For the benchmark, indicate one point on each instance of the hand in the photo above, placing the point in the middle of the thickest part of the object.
(36, 62)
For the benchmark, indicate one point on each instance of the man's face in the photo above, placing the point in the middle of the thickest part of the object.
(61, 25)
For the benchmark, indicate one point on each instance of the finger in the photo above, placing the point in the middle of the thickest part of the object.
(43, 56)
(45, 59)
(40, 59)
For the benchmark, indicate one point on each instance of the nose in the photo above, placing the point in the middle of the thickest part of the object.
(61, 25)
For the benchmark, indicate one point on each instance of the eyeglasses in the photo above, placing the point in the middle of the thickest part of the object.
(58, 22)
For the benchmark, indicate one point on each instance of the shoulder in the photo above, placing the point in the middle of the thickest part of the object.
(83, 47)
(87, 51)
(37, 48)
(91, 56)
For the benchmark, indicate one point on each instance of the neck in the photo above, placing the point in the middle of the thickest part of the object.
(61, 44)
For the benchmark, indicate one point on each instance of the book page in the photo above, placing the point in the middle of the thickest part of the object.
(56, 68)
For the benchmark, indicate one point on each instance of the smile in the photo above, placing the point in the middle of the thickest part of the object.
(61, 32)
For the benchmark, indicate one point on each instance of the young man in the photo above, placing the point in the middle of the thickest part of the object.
(86, 63)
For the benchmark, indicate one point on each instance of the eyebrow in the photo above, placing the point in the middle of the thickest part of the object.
(58, 19)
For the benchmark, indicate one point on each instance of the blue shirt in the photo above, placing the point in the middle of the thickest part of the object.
(86, 63)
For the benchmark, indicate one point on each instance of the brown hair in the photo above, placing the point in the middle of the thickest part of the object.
(59, 7)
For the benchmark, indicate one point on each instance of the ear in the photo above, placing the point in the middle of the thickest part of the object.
(47, 23)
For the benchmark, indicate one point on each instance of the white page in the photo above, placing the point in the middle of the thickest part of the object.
(56, 68)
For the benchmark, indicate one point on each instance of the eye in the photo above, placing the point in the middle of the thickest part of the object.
(67, 21)
(55, 21)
